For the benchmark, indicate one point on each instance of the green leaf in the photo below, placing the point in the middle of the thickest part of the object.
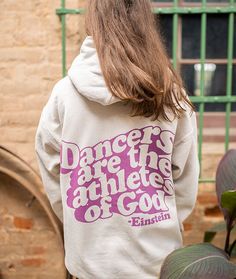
(209, 236)
(228, 202)
(210, 233)
(199, 261)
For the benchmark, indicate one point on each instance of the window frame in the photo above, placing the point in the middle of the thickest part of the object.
(176, 8)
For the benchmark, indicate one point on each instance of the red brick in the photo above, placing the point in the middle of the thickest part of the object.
(188, 226)
(33, 262)
(212, 212)
(23, 223)
(207, 198)
(36, 250)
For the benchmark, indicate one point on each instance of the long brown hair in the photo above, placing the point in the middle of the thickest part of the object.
(133, 59)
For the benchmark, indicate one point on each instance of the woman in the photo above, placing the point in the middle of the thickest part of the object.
(117, 147)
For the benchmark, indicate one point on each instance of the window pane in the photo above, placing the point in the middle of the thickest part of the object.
(191, 36)
(217, 29)
(165, 22)
(234, 36)
(215, 82)
(216, 40)
(215, 79)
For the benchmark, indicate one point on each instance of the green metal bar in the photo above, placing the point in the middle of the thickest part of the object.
(63, 38)
(195, 10)
(213, 99)
(175, 36)
(229, 75)
(172, 10)
(64, 11)
(202, 81)
(206, 180)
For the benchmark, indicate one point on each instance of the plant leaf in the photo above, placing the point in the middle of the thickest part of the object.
(228, 202)
(233, 252)
(209, 236)
(199, 261)
(210, 233)
(226, 177)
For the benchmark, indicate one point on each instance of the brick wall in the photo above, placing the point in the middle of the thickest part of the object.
(30, 64)
(29, 247)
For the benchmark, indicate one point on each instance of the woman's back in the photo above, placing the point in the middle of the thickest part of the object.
(121, 185)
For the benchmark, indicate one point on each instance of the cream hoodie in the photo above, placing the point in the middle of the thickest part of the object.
(121, 185)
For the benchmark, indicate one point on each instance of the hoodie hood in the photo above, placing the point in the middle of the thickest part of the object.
(86, 75)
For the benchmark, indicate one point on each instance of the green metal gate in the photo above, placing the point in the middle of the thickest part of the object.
(177, 10)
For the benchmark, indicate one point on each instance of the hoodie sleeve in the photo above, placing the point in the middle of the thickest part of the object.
(47, 147)
(185, 167)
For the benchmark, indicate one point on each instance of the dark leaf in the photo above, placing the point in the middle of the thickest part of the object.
(210, 233)
(226, 177)
(233, 249)
(209, 236)
(199, 261)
